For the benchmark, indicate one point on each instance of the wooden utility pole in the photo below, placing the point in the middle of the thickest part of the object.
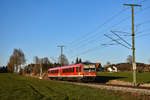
(61, 47)
(41, 60)
(133, 43)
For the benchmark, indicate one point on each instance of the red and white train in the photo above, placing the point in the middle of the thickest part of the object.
(83, 71)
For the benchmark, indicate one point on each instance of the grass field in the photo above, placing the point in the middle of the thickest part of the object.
(126, 76)
(16, 87)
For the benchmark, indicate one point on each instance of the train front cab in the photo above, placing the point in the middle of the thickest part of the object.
(89, 72)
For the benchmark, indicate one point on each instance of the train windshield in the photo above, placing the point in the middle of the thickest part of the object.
(89, 69)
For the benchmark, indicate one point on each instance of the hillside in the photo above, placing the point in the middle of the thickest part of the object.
(16, 87)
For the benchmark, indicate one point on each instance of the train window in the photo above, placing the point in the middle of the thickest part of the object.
(86, 70)
(68, 70)
(63, 70)
(77, 69)
(92, 69)
(54, 71)
(89, 70)
(73, 69)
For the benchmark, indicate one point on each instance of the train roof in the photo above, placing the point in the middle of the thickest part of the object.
(69, 66)
(87, 63)
(63, 67)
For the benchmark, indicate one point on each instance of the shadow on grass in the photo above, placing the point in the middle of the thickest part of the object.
(148, 82)
(104, 79)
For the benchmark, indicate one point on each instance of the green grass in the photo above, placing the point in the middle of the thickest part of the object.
(127, 76)
(16, 87)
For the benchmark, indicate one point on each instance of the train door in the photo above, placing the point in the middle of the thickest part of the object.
(79, 70)
(60, 71)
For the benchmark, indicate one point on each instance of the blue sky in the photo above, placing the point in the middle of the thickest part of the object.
(38, 26)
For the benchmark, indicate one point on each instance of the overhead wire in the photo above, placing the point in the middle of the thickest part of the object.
(100, 26)
(121, 20)
(130, 16)
(142, 1)
(114, 26)
(142, 31)
(122, 39)
(87, 51)
(142, 23)
(119, 39)
(88, 39)
(142, 35)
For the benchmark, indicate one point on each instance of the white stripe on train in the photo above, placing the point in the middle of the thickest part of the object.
(71, 75)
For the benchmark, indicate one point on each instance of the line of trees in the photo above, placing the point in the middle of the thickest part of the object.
(78, 60)
(3, 69)
(17, 60)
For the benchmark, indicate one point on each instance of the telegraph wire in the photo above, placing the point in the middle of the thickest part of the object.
(125, 18)
(124, 41)
(130, 16)
(142, 31)
(121, 39)
(118, 24)
(141, 35)
(137, 36)
(144, 22)
(142, 1)
(86, 35)
(127, 33)
(87, 51)
(116, 41)
(107, 21)
(88, 42)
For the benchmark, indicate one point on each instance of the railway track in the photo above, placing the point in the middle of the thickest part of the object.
(123, 88)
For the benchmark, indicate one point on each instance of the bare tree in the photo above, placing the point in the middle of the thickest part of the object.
(87, 61)
(10, 66)
(16, 59)
(108, 63)
(41, 64)
(45, 60)
(129, 59)
(36, 60)
(63, 60)
(45, 63)
(36, 68)
(149, 60)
